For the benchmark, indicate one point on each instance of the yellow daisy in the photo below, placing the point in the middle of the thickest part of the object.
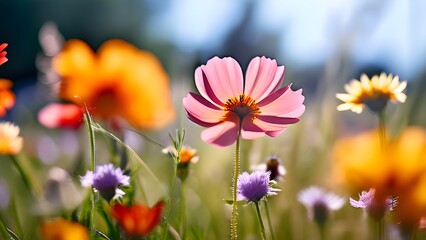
(10, 142)
(373, 93)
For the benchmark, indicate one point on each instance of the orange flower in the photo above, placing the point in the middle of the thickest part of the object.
(138, 220)
(61, 229)
(120, 81)
(10, 141)
(400, 171)
(7, 98)
(3, 57)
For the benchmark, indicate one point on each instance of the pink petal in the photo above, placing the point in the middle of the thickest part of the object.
(199, 108)
(276, 133)
(198, 121)
(57, 115)
(263, 76)
(250, 131)
(225, 78)
(273, 123)
(221, 135)
(283, 102)
(204, 87)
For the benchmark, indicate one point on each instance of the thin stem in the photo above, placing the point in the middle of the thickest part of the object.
(268, 217)
(234, 187)
(183, 210)
(172, 191)
(92, 139)
(3, 230)
(259, 217)
(25, 177)
(382, 130)
(381, 229)
(92, 167)
(322, 231)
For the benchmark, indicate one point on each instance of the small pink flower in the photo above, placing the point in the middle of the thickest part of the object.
(257, 106)
(61, 115)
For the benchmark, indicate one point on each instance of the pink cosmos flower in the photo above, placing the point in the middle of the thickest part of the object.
(256, 106)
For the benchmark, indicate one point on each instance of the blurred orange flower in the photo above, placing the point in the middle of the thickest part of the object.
(7, 98)
(3, 57)
(120, 81)
(400, 171)
(61, 229)
(10, 141)
(138, 220)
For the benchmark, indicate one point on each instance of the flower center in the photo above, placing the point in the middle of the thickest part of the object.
(242, 106)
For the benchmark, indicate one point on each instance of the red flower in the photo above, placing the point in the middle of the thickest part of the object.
(7, 98)
(3, 57)
(56, 115)
(138, 220)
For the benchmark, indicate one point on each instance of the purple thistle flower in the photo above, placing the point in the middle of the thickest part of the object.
(253, 187)
(365, 199)
(106, 179)
(374, 209)
(272, 164)
(319, 203)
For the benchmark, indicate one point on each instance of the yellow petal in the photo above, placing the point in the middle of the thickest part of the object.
(401, 97)
(345, 106)
(365, 82)
(394, 84)
(345, 97)
(401, 87)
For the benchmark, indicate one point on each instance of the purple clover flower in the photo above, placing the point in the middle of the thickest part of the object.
(106, 179)
(253, 187)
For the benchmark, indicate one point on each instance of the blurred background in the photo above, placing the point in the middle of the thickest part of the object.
(319, 42)
(322, 43)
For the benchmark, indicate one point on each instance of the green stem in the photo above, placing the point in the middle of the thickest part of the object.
(92, 140)
(322, 231)
(172, 192)
(259, 217)
(234, 187)
(25, 177)
(15, 214)
(29, 182)
(92, 167)
(271, 230)
(382, 130)
(3, 230)
(183, 211)
(381, 229)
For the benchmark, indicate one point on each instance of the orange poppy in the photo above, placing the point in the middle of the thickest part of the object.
(138, 220)
(7, 98)
(61, 229)
(399, 172)
(120, 81)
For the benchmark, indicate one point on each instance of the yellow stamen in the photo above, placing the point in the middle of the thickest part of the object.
(242, 105)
